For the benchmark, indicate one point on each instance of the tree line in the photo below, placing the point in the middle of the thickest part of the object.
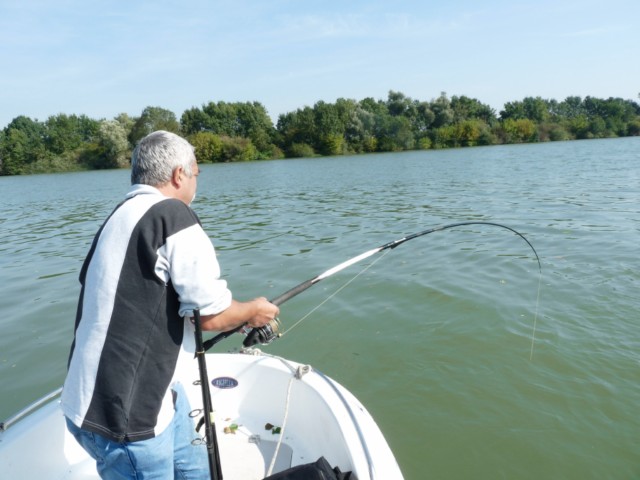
(229, 132)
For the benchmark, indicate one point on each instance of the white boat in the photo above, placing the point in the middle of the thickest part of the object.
(270, 414)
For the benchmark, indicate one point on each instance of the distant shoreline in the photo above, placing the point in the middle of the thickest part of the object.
(232, 132)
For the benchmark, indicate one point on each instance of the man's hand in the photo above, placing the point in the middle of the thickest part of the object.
(256, 313)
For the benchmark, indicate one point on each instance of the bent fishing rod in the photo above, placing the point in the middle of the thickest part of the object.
(269, 332)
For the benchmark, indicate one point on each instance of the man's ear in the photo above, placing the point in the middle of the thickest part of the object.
(176, 177)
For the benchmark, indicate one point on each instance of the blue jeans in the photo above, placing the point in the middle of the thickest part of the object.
(170, 455)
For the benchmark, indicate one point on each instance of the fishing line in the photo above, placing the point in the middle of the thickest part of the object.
(267, 333)
(262, 240)
(535, 316)
(335, 293)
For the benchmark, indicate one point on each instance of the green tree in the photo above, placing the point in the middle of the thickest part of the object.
(297, 127)
(424, 118)
(66, 133)
(633, 129)
(237, 120)
(468, 132)
(535, 109)
(598, 128)
(579, 126)
(520, 130)
(569, 108)
(151, 120)
(22, 145)
(238, 149)
(2, 152)
(14, 152)
(360, 130)
(34, 130)
(377, 107)
(194, 120)
(221, 118)
(330, 128)
(399, 104)
(465, 108)
(444, 137)
(127, 123)
(443, 113)
(208, 147)
(332, 144)
(113, 144)
(255, 124)
(394, 133)
(553, 131)
(300, 150)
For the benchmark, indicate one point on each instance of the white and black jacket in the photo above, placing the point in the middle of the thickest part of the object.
(149, 266)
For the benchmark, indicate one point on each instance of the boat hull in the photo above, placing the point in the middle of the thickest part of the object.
(310, 416)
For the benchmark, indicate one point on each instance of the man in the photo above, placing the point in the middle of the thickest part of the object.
(150, 265)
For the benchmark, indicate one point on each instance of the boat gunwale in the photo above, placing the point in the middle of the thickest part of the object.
(16, 417)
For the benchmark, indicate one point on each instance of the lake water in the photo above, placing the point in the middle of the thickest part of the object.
(437, 337)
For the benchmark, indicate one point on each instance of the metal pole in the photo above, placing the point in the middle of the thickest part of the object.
(209, 423)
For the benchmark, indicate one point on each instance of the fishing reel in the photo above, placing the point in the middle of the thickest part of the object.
(263, 335)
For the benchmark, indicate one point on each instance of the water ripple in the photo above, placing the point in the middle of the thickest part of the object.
(437, 334)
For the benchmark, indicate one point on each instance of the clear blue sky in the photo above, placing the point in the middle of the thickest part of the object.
(101, 58)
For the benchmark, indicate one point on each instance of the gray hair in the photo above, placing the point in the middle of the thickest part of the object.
(156, 157)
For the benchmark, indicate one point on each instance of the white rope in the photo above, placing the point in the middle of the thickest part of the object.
(301, 370)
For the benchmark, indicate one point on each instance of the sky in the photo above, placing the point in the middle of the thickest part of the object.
(105, 57)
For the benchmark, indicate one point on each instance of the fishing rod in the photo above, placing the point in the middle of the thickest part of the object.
(269, 332)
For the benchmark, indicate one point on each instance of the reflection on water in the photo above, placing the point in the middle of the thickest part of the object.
(434, 338)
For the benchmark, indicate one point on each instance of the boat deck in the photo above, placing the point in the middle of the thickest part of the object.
(245, 454)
